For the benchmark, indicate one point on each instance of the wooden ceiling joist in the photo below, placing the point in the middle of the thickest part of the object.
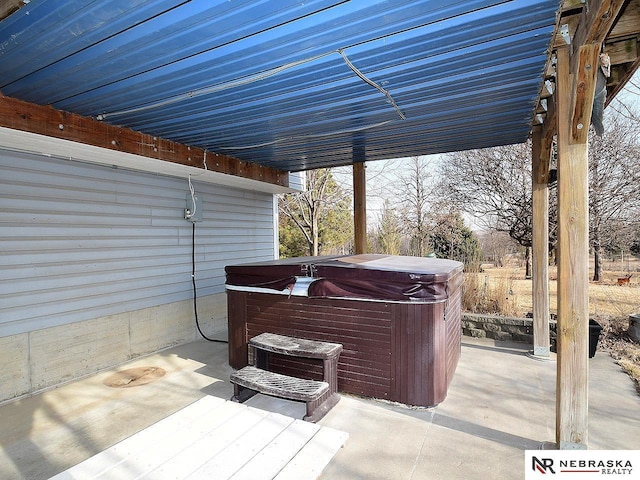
(623, 46)
(623, 51)
(627, 24)
(28, 117)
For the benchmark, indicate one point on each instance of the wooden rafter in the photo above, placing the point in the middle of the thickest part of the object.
(28, 117)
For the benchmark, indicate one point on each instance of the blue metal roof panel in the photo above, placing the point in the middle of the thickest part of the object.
(326, 69)
(227, 61)
(289, 84)
(325, 84)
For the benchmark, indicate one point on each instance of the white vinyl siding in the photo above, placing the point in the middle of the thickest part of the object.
(297, 180)
(80, 241)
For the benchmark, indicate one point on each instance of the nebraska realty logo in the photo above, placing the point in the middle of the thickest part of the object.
(582, 464)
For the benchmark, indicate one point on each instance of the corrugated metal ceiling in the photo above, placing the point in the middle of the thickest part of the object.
(288, 84)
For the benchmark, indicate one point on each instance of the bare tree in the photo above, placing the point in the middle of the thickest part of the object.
(614, 186)
(417, 185)
(322, 201)
(381, 175)
(493, 185)
(388, 237)
(497, 246)
(415, 221)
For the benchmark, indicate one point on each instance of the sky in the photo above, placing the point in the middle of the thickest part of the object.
(630, 95)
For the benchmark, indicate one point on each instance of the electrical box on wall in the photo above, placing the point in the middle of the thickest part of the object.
(193, 212)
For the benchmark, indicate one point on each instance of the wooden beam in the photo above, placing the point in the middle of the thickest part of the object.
(360, 207)
(583, 92)
(28, 117)
(596, 22)
(627, 24)
(7, 7)
(540, 247)
(573, 264)
(549, 130)
(622, 51)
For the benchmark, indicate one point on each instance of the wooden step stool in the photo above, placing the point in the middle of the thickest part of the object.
(320, 396)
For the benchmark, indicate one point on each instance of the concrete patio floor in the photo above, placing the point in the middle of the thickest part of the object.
(500, 403)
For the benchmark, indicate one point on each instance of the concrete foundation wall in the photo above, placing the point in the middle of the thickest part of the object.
(37, 360)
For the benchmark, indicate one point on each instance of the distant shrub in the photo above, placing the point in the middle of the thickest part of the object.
(481, 294)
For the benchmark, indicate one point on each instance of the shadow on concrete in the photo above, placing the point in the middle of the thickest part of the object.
(486, 433)
(502, 347)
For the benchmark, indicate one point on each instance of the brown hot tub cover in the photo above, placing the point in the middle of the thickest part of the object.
(376, 277)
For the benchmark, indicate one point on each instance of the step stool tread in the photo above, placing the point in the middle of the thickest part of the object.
(298, 347)
(279, 385)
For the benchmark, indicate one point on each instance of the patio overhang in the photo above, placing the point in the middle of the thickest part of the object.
(287, 85)
(293, 87)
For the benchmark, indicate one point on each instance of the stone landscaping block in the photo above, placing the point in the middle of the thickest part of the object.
(477, 333)
(500, 336)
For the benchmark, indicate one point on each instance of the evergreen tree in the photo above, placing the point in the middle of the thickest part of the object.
(452, 239)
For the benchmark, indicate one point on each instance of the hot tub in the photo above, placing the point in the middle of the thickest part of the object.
(397, 317)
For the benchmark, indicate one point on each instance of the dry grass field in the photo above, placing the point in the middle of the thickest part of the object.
(606, 298)
(506, 291)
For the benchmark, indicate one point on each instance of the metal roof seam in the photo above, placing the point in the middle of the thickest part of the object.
(250, 79)
(302, 137)
(214, 88)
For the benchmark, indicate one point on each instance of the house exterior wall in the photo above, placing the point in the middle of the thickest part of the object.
(95, 264)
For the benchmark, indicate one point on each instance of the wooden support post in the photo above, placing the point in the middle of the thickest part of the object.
(360, 207)
(540, 284)
(573, 251)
